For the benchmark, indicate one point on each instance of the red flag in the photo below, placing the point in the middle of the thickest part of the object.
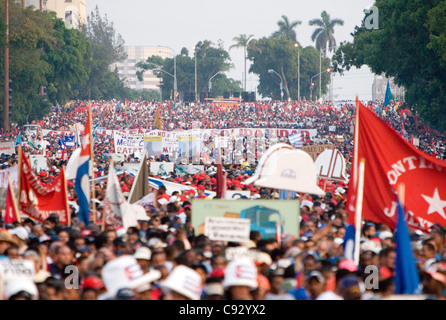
(11, 209)
(389, 161)
(39, 201)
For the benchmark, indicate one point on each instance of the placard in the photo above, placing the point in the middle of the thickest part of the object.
(10, 268)
(161, 168)
(265, 215)
(227, 229)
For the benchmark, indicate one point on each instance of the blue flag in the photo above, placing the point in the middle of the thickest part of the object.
(388, 96)
(18, 140)
(407, 279)
(349, 242)
(61, 144)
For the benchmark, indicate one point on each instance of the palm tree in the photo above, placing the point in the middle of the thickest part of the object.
(286, 28)
(325, 32)
(242, 41)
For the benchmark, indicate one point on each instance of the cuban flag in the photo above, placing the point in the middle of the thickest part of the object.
(82, 183)
(296, 140)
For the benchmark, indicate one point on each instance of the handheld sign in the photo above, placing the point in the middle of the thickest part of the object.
(227, 229)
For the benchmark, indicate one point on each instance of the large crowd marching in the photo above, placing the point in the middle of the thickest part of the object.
(163, 257)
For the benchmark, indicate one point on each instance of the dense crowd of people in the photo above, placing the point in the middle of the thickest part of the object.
(169, 260)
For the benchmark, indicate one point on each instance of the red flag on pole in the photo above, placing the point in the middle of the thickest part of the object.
(38, 201)
(11, 208)
(390, 161)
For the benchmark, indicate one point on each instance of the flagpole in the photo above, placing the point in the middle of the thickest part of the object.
(92, 185)
(355, 149)
(358, 211)
(66, 196)
(19, 171)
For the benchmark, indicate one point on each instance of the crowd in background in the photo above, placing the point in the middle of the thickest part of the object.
(171, 261)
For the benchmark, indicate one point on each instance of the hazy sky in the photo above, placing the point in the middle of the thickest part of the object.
(182, 23)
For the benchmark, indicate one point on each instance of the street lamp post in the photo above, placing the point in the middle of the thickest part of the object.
(298, 70)
(210, 83)
(320, 78)
(175, 88)
(281, 82)
(196, 73)
(161, 70)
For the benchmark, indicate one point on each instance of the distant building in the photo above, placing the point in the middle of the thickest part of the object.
(73, 12)
(127, 69)
(379, 87)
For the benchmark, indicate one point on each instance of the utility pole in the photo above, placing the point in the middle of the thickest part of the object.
(41, 5)
(6, 78)
(320, 74)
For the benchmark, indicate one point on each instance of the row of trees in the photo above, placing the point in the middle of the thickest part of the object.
(409, 46)
(279, 52)
(50, 63)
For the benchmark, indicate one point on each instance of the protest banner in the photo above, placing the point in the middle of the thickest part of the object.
(128, 143)
(7, 148)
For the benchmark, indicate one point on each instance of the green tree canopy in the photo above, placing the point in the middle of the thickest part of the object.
(324, 33)
(210, 60)
(409, 46)
(280, 54)
(286, 28)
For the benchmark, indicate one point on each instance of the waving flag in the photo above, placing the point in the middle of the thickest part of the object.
(389, 161)
(140, 187)
(349, 242)
(62, 144)
(18, 140)
(32, 144)
(11, 209)
(38, 201)
(117, 211)
(388, 96)
(296, 140)
(407, 280)
(82, 183)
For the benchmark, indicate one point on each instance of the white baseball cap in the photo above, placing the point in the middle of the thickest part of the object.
(242, 272)
(20, 232)
(143, 253)
(184, 281)
(125, 272)
(20, 283)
